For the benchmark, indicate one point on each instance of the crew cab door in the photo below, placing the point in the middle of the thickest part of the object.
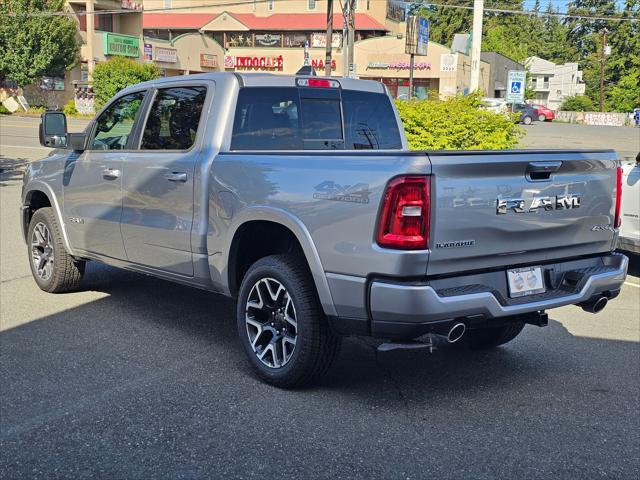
(92, 183)
(158, 180)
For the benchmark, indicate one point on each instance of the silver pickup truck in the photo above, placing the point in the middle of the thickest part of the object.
(298, 196)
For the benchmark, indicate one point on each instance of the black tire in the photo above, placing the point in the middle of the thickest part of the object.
(542, 117)
(485, 338)
(315, 345)
(527, 120)
(65, 272)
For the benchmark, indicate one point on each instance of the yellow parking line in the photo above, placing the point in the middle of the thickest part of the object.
(632, 284)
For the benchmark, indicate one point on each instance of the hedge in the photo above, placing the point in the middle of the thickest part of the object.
(113, 75)
(456, 124)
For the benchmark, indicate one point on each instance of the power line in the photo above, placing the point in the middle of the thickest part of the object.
(538, 13)
(253, 2)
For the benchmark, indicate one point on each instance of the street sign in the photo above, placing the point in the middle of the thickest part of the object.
(417, 36)
(515, 86)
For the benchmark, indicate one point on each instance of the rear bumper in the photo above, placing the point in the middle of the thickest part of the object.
(410, 309)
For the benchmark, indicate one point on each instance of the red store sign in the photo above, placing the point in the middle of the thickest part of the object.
(319, 63)
(257, 63)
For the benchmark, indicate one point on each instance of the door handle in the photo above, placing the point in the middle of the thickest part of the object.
(110, 173)
(176, 176)
(544, 166)
(541, 171)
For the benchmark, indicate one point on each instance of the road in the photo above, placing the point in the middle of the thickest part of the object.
(134, 377)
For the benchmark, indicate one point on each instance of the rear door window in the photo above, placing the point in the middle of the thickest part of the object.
(174, 118)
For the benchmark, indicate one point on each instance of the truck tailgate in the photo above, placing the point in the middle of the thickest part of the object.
(496, 209)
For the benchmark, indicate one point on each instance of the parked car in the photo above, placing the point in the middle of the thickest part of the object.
(299, 197)
(527, 113)
(630, 228)
(497, 105)
(544, 114)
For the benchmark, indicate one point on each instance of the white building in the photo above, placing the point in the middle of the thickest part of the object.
(553, 83)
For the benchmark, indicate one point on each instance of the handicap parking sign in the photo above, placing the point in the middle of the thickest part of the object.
(515, 86)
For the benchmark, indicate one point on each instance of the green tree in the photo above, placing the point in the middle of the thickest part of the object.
(554, 44)
(113, 75)
(578, 103)
(35, 46)
(622, 72)
(444, 22)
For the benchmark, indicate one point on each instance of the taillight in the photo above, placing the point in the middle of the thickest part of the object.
(404, 222)
(618, 219)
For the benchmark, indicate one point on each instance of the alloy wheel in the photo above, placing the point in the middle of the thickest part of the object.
(272, 327)
(42, 251)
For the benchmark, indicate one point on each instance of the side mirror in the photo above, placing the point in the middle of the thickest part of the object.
(53, 130)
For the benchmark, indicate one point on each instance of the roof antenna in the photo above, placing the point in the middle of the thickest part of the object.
(307, 70)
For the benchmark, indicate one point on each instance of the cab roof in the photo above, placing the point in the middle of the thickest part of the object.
(261, 80)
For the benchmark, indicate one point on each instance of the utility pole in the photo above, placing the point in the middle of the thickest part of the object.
(348, 35)
(476, 44)
(91, 30)
(327, 59)
(352, 35)
(602, 52)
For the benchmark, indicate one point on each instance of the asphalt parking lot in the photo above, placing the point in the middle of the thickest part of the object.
(134, 377)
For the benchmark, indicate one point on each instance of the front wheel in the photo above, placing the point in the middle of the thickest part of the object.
(53, 269)
(491, 337)
(527, 120)
(542, 118)
(282, 327)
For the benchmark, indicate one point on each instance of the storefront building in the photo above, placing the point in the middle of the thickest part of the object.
(281, 44)
(277, 37)
(439, 74)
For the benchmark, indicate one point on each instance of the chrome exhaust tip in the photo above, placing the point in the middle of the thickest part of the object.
(456, 332)
(596, 305)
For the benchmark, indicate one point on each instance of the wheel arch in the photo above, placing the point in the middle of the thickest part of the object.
(40, 195)
(276, 226)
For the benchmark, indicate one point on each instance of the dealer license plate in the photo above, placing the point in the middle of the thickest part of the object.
(525, 281)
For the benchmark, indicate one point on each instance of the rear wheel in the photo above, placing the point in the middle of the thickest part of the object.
(542, 117)
(282, 327)
(53, 269)
(527, 120)
(485, 338)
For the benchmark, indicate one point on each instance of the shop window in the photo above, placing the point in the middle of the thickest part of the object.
(311, 4)
(104, 22)
(370, 122)
(295, 40)
(239, 40)
(174, 118)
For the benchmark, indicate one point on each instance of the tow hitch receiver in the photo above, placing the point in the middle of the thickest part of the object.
(539, 319)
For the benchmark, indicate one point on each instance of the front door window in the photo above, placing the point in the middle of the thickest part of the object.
(115, 124)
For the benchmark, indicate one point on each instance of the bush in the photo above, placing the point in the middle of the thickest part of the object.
(113, 75)
(36, 110)
(578, 103)
(456, 124)
(3, 110)
(69, 108)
